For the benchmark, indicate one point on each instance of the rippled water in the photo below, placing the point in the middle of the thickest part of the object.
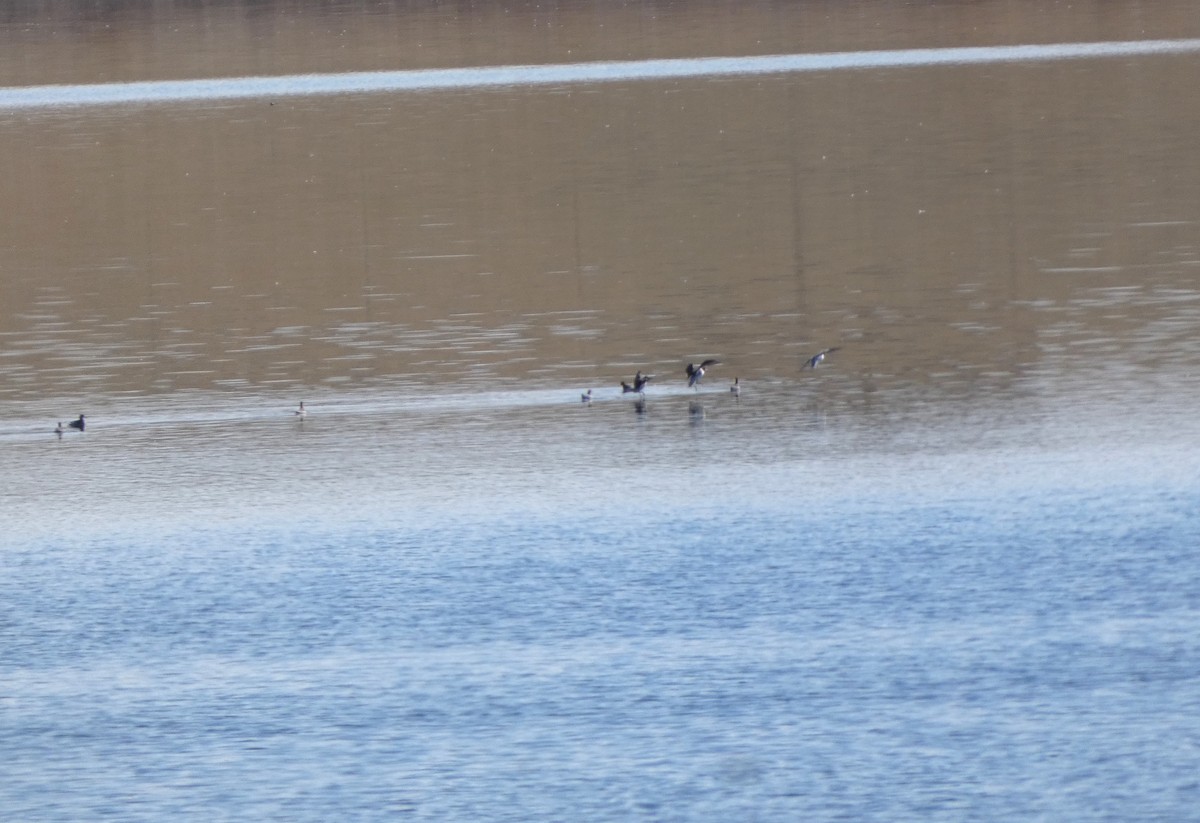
(948, 574)
(516, 607)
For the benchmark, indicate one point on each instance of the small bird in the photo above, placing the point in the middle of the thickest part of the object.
(300, 412)
(59, 429)
(736, 388)
(818, 358)
(696, 373)
(586, 397)
(77, 424)
(639, 384)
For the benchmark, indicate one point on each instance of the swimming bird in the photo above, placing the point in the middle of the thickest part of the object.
(736, 388)
(300, 412)
(586, 397)
(59, 429)
(639, 384)
(696, 373)
(77, 424)
(818, 358)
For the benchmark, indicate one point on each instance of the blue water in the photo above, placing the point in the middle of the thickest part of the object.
(937, 580)
(515, 609)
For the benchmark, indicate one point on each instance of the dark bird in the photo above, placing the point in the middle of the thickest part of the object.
(696, 373)
(818, 358)
(77, 424)
(639, 384)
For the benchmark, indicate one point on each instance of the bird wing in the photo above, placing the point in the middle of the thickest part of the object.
(708, 363)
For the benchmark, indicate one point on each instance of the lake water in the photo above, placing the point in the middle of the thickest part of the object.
(950, 573)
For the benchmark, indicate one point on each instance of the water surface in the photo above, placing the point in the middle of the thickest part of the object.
(948, 574)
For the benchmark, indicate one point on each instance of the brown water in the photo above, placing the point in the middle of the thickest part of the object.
(949, 574)
(957, 227)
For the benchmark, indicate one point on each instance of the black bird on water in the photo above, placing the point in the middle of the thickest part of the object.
(818, 358)
(77, 424)
(696, 373)
(639, 384)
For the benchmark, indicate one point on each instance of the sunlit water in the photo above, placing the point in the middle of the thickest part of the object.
(240, 88)
(949, 574)
(519, 607)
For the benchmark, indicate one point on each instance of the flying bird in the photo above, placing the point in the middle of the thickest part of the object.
(639, 384)
(696, 373)
(818, 358)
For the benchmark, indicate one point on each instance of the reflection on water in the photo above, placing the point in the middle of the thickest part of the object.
(1021, 239)
(953, 565)
(684, 600)
(472, 239)
(267, 88)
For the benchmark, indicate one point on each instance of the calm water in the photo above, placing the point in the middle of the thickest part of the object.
(949, 574)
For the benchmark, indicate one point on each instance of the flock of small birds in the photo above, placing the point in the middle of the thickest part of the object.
(695, 373)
